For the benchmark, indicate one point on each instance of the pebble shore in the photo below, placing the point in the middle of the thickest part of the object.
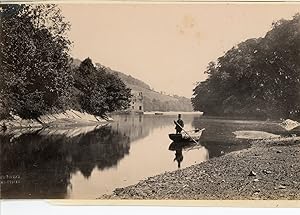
(269, 170)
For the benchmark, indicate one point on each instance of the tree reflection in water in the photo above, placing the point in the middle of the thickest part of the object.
(45, 160)
(45, 163)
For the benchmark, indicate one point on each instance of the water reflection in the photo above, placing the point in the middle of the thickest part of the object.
(218, 137)
(177, 147)
(90, 161)
(139, 126)
(45, 162)
(178, 156)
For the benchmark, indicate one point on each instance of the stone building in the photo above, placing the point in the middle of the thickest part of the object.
(136, 104)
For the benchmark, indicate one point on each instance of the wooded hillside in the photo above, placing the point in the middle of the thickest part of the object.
(259, 77)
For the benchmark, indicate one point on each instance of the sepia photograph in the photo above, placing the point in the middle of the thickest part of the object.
(150, 101)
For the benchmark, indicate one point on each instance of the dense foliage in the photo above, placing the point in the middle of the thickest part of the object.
(180, 104)
(99, 91)
(257, 78)
(35, 75)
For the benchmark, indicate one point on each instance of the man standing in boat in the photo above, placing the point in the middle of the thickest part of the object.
(179, 124)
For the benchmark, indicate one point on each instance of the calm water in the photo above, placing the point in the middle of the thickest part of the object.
(84, 163)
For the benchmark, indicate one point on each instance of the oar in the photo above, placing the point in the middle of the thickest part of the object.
(186, 132)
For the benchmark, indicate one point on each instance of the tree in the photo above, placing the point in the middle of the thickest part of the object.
(99, 90)
(35, 62)
(257, 78)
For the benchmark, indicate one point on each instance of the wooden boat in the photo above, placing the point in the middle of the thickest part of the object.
(183, 137)
(158, 113)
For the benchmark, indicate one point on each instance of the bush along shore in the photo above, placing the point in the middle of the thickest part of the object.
(68, 118)
(269, 170)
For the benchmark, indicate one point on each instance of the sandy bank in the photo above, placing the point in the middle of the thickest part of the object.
(267, 170)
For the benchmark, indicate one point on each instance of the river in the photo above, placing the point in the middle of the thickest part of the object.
(84, 163)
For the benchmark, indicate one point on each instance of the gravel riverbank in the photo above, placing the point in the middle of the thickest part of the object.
(267, 170)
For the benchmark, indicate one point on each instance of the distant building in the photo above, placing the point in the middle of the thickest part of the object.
(136, 104)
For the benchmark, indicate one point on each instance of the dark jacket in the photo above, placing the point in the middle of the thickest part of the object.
(180, 122)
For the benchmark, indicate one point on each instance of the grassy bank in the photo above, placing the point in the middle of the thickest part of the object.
(267, 170)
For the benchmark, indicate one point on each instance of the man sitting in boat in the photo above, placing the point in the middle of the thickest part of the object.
(179, 124)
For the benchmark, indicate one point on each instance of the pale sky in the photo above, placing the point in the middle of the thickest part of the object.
(168, 46)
